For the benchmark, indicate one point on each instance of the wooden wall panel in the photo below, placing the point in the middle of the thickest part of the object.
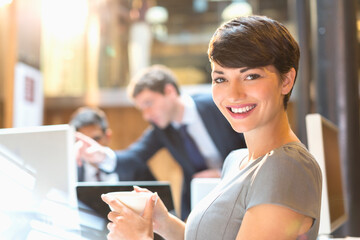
(8, 39)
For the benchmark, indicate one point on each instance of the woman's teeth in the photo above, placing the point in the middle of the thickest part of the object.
(242, 110)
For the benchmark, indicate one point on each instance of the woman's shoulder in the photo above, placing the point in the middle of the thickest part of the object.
(288, 176)
(295, 151)
(293, 155)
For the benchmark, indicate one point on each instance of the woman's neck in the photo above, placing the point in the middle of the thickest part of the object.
(271, 136)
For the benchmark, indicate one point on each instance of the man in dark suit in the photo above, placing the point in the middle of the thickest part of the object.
(155, 93)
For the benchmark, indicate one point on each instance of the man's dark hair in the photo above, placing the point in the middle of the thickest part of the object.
(153, 78)
(86, 116)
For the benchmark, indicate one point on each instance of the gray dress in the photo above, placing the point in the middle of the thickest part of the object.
(288, 176)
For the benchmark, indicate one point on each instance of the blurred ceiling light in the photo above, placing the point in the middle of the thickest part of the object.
(65, 18)
(236, 9)
(156, 15)
(200, 6)
(5, 2)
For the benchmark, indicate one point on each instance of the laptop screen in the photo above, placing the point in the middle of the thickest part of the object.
(89, 195)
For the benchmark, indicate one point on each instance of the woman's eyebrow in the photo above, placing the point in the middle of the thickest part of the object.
(218, 72)
(241, 70)
(244, 69)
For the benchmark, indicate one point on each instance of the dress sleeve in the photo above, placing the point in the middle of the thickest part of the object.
(289, 178)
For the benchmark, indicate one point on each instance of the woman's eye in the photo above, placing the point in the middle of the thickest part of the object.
(252, 76)
(219, 80)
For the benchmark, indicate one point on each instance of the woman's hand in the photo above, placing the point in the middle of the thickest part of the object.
(127, 224)
(160, 212)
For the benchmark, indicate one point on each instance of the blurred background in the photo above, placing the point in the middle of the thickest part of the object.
(58, 55)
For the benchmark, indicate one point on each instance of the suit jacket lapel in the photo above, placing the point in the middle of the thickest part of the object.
(209, 118)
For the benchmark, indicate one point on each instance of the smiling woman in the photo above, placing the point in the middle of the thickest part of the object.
(273, 185)
(254, 63)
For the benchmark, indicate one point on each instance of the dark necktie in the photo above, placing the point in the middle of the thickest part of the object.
(98, 175)
(192, 150)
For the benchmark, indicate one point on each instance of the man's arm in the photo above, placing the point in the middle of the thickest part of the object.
(130, 164)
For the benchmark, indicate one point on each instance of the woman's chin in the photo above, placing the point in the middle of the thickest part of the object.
(239, 129)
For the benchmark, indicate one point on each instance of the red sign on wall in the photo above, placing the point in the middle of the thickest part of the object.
(29, 89)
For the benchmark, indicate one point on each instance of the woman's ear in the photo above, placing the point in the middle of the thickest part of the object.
(288, 81)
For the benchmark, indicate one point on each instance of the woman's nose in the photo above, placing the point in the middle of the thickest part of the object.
(237, 91)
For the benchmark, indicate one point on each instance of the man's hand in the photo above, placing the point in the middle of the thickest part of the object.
(89, 150)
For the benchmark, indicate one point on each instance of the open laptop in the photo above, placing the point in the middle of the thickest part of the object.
(37, 176)
(91, 204)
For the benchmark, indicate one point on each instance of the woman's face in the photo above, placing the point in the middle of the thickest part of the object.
(249, 98)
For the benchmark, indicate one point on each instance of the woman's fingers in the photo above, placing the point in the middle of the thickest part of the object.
(114, 216)
(116, 205)
(139, 189)
(127, 224)
(150, 204)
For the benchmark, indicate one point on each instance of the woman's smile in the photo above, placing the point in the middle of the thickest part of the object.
(241, 111)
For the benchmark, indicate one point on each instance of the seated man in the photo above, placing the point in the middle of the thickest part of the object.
(93, 123)
(191, 128)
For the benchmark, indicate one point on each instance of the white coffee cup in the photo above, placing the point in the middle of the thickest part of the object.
(134, 200)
